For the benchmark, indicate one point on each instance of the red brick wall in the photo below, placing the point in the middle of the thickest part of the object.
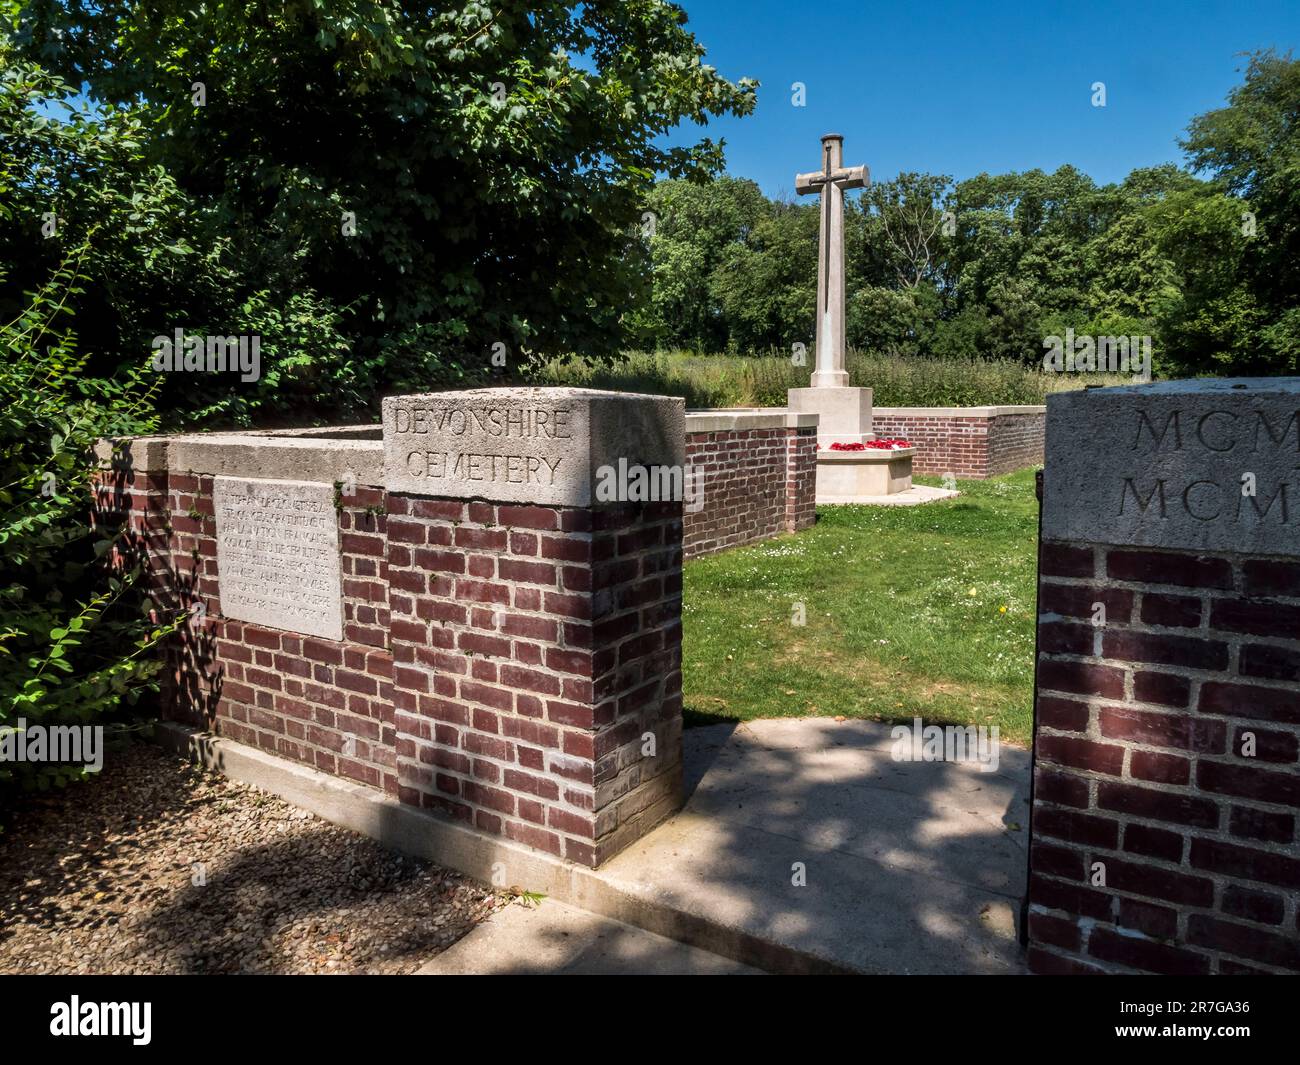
(972, 447)
(1140, 765)
(757, 483)
(324, 703)
(500, 664)
(533, 648)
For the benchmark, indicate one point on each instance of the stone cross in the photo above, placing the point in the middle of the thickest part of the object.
(831, 181)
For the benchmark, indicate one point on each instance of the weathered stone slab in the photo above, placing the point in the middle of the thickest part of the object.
(525, 445)
(844, 414)
(1196, 465)
(278, 554)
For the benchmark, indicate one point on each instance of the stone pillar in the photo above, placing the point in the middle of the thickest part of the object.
(534, 566)
(1167, 730)
(830, 371)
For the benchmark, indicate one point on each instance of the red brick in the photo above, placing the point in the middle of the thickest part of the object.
(1063, 715)
(1079, 601)
(1061, 560)
(1261, 906)
(1165, 689)
(437, 509)
(1269, 577)
(1045, 963)
(357, 682)
(534, 837)
(492, 798)
(1249, 782)
(1277, 747)
(1151, 567)
(528, 517)
(1272, 827)
(1270, 662)
(1258, 617)
(1057, 861)
(1072, 898)
(1138, 726)
(1141, 879)
(1086, 829)
(1174, 611)
(1150, 804)
(542, 787)
(1132, 646)
(1159, 768)
(1153, 842)
(1056, 931)
(1160, 922)
(1245, 863)
(1082, 678)
(1063, 788)
(1244, 941)
(570, 823)
(497, 698)
(1146, 955)
(1057, 637)
(1249, 700)
(527, 572)
(1082, 753)
(259, 637)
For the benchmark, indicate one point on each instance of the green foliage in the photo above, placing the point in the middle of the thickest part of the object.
(74, 643)
(1245, 310)
(762, 380)
(410, 184)
(989, 267)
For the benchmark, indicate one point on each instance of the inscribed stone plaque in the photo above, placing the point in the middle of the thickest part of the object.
(525, 445)
(1194, 465)
(278, 554)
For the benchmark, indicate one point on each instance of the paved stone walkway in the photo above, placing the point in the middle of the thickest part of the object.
(907, 867)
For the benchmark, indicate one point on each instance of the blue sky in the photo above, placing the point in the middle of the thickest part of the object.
(959, 88)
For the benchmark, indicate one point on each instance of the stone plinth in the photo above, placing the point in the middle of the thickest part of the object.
(848, 476)
(526, 445)
(536, 595)
(844, 417)
(1167, 722)
(843, 414)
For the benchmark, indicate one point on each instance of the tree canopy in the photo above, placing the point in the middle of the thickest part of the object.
(411, 184)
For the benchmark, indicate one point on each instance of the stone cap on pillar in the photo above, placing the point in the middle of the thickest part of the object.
(1203, 465)
(547, 446)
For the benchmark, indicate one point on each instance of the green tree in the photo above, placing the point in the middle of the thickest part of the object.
(1251, 149)
(442, 177)
(694, 228)
(766, 288)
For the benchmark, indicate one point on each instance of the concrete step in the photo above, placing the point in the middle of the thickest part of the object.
(805, 845)
(554, 939)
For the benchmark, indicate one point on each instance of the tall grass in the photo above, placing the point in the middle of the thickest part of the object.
(762, 380)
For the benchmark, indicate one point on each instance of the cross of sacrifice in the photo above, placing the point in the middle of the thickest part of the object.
(831, 181)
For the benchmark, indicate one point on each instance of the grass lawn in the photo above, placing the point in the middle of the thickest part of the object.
(909, 611)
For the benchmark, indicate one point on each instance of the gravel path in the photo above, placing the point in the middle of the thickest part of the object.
(158, 867)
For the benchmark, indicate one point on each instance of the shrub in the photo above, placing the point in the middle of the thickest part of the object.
(74, 638)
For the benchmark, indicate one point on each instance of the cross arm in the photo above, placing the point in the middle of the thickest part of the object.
(849, 177)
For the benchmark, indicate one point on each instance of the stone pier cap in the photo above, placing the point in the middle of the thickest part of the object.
(546, 446)
(1206, 464)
